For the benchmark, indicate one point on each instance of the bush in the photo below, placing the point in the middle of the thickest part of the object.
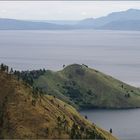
(80, 71)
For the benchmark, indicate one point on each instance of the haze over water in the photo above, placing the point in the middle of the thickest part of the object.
(116, 53)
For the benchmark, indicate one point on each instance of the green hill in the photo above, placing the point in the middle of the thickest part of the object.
(84, 87)
(28, 114)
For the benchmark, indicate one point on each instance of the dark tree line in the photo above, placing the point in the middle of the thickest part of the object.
(26, 76)
(5, 68)
(29, 76)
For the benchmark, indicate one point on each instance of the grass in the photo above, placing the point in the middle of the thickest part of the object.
(84, 87)
(24, 115)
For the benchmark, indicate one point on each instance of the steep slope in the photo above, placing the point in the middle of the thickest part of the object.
(88, 88)
(25, 113)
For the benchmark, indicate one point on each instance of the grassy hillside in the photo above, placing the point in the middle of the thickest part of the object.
(25, 113)
(88, 88)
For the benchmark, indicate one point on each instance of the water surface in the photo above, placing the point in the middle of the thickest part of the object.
(124, 123)
(116, 53)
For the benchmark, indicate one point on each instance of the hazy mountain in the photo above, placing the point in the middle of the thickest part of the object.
(128, 17)
(12, 24)
(122, 25)
(124, 20)
(60, 22)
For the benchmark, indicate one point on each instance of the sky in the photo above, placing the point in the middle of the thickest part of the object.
(62, 10)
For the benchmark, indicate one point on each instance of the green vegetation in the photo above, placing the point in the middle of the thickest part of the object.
(84, 87)
(26, 113)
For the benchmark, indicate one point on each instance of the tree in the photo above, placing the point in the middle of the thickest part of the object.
(73, 131)
(7, 69)
(127, 95)
(4, 68)
(33, 102)
(11, 71)
(59, 124)
(86, 117)
(110, 130)
(47, 131)
(89, 92)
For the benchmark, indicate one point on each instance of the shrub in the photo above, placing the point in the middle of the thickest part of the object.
(80, 71)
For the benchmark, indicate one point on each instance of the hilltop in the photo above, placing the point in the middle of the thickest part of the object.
(26, 113)
(84, 87)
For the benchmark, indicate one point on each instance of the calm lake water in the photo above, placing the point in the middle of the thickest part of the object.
(116, 53)
(124, 123)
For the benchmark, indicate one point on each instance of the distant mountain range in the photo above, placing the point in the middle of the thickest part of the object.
(13, 24)
(60, 22)
(124, 20)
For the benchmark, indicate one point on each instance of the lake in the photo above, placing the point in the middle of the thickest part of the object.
(116, 53)
(124, 123)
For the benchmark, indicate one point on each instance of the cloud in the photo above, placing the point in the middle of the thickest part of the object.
(53, 10)
(3, 11)
(84, 13)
